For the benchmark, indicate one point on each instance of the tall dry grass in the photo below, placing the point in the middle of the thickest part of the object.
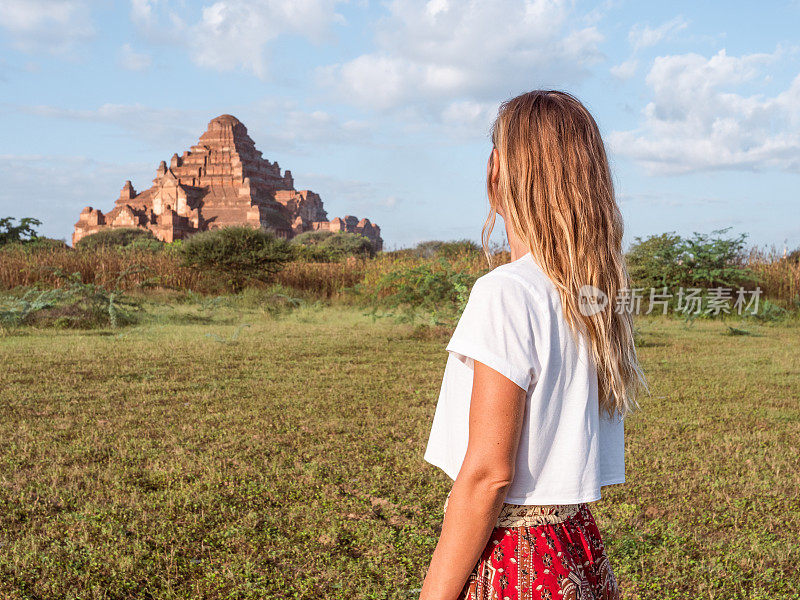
(779, 274)
(108, 267)
(134, 269)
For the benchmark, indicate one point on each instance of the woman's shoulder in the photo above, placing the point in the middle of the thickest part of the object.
(522, 278)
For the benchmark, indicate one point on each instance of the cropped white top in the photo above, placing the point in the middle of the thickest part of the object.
(514, 323)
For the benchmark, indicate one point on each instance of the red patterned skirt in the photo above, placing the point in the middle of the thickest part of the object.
(543, 553)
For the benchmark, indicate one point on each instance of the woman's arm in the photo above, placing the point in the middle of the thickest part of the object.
(495, 422)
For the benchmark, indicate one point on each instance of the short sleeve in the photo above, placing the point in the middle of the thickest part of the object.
(497, 328)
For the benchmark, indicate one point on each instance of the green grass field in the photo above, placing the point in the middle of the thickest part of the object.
(244, 455)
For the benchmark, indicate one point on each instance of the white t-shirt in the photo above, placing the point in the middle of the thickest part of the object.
(513, 322)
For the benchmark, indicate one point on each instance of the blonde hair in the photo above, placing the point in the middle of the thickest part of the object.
(557, 194)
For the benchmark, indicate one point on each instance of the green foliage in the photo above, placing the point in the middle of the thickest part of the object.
(768, 312)
(329, 246)
(348, 244)
(714, 260)
(452, 249)
(311, 238)
(438, 248)
(16, 234)
(151, 244)
(657, 261)
(119, 237)
(432, 288)
(700, 261)
(239, 254)
(78, 305)
(46, 243)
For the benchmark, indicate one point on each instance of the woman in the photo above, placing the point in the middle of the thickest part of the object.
(540, 374)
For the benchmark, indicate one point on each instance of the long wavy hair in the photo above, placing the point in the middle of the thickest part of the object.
(557, 194)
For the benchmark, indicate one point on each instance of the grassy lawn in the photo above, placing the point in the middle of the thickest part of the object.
(244, 455)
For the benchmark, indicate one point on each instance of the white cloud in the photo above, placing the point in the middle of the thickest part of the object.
(286, 128)
(132, 60)
(625, 70)
(644, 36)
(699, 119)
(52, 26)
(80, 181)
(436, 53)
(276, 126)
(160, 127)
(234, 34)
(142, 10)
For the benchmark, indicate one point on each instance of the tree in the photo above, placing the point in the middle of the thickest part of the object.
(18, 234)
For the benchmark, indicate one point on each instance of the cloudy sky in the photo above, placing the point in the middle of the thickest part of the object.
(383, 108)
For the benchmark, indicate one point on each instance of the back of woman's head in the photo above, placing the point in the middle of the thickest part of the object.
(555, 191)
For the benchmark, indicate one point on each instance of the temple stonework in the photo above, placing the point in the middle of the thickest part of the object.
(221, 181)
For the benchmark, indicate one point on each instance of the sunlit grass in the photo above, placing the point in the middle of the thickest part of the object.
(232, 451)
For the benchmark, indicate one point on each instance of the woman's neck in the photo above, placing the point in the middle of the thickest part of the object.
(518, 247)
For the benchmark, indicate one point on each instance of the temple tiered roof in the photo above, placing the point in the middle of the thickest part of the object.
(222, 180)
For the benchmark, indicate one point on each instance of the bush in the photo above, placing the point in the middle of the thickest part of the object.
(713, 260)
(433, 248)
(120, 237)
(433, 288)
(311, 238)
(239, 254)
(452, 249)
(46, 243)
(348, 244)
(657, 261)
(36, 244)
(704, 261)
(329, 246)
(77, 306)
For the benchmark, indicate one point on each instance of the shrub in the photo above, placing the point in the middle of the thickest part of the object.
(456, 249)
(452, 249)
(78, 305)
(148, 244)
(342, 243)
(311, 238)
(704, 261)
(713, 260)
(657, 261)
(329, 246)
(119, 237)
(239, 254)
(35, 245)
(46, 243)
(432, 287)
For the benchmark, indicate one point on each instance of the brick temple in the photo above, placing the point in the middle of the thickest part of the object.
(221, 181)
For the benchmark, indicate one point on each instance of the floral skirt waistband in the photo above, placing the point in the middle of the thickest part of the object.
(531, 515)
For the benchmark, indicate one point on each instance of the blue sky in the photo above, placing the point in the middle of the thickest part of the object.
(384, 108)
